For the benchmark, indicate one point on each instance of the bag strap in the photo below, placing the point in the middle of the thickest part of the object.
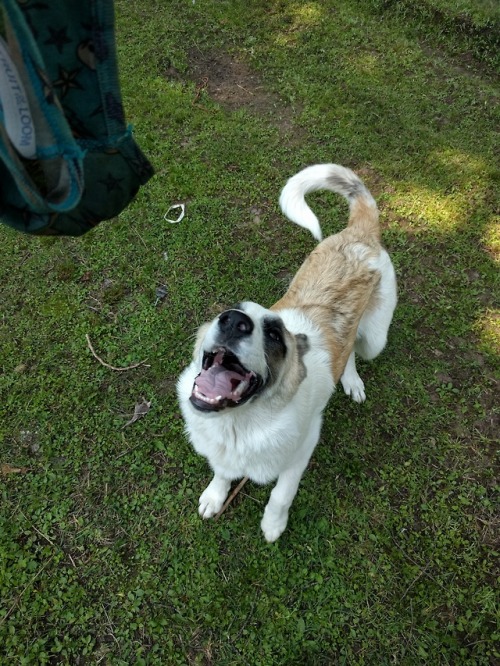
(49, 174)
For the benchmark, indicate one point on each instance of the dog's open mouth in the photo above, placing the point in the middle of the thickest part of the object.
(223, 382)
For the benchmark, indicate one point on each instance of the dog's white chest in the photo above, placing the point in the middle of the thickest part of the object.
(253, 447)
(263, 437)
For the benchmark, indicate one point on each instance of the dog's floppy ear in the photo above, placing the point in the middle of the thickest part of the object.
(302, 344)
(200, 336)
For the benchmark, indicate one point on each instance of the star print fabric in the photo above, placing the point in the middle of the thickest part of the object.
(60, 94)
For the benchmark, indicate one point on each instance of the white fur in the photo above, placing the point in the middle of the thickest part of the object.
(371, 336)
(262, 439)
(331, 177)
(269, 438)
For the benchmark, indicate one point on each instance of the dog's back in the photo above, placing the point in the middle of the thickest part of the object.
(339, 280)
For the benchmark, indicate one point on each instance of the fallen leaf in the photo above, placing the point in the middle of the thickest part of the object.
(141, 409)
(5, 469)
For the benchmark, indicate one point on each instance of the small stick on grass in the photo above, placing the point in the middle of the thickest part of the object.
(19, 596)
(232, 496)
(107, 365)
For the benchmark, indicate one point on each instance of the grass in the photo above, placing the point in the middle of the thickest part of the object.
(391, 554)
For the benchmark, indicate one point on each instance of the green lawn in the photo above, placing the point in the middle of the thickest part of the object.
(391, 553)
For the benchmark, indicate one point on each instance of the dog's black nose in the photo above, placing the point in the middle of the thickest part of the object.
(235, 324)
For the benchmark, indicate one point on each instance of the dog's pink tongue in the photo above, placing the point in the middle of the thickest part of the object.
(218, 382)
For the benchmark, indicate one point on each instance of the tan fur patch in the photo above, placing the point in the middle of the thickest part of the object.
(335, 284)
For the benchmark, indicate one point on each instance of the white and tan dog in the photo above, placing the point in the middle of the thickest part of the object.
(253, 396)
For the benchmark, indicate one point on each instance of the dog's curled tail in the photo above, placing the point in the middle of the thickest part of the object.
(362, 207)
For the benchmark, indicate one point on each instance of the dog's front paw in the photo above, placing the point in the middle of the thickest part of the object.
(354, 386)
(210, 502)
(273, 527)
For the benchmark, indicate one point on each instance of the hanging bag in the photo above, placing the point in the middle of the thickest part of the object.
(67, 159)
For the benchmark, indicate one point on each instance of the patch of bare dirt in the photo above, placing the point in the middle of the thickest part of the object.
(230, 82)
(234, 85)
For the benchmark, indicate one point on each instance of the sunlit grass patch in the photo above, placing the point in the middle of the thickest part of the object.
(488, 329)
(296, 19)
(491, 238)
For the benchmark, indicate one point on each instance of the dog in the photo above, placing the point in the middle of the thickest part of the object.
(253, 396)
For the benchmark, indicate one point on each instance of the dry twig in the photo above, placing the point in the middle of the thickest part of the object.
(232, 496)
(19, 596)
(107, 365)
(199, 89)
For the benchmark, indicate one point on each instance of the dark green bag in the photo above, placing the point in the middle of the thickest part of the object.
(67, 159)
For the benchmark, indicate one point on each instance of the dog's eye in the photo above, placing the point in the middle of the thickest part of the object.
(274, 334)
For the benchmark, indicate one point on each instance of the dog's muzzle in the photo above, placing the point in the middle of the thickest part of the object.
(223, 382)
(234, 325)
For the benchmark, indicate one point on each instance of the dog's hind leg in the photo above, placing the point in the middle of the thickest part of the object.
(372, 331)
(352, 383)
(370, 341)
(212, 498)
